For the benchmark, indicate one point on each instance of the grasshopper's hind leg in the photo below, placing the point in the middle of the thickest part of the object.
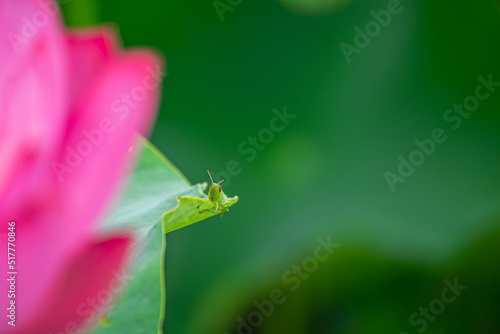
(213, 211)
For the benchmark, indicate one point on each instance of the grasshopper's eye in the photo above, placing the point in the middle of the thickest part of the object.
(220, 188)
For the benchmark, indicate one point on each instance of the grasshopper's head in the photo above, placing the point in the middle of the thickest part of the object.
(215, 191)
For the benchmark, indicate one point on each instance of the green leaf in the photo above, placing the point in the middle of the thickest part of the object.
(153, 187)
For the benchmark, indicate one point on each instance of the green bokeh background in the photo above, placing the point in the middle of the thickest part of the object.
(324, 174)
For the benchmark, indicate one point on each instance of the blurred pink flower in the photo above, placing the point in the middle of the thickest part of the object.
(70, 105)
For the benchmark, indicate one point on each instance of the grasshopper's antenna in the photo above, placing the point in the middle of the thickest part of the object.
(220, 182)
(210, 176)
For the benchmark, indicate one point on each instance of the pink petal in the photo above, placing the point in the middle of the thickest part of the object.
(90, 51)
(60, 224)
(41, 120)
(90, 283)
(32, 114)
(95, 152)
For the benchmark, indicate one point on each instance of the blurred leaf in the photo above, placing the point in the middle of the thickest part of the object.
(357, 292)
(151, 190)
(78, 13)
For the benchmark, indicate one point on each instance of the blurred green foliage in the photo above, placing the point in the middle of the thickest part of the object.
(324, 173)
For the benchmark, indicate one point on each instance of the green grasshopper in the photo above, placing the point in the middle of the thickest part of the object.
(194, 209)
(219, 198)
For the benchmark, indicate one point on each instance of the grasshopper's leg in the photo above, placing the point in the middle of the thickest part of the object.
(216, 208)
(224, 209)
(213, 211)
